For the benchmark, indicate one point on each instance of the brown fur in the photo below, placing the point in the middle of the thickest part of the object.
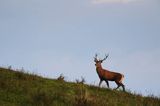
(106, 75)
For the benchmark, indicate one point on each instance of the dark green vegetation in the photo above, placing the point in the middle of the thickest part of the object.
(24, 89)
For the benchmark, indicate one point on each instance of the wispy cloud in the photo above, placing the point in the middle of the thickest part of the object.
(112, 1)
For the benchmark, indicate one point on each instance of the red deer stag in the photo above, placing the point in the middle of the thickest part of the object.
(106, 75)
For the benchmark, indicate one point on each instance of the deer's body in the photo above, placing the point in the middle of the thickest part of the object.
(106, 75)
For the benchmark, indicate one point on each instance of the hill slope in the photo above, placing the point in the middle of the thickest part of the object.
(23, 89)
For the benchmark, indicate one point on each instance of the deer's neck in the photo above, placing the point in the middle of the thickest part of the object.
(99, 69)
(100, 72)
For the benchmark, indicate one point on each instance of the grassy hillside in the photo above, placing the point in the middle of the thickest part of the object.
(23, 89)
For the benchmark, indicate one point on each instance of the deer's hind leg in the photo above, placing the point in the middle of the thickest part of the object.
(120, 84)
(123, 86)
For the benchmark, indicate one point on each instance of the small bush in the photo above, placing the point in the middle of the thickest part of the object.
(61, 78)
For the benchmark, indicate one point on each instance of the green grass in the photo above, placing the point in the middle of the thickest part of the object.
(18, 88)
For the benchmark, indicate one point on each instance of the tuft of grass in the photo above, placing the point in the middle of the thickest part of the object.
(40, 97)
(82, 81)
(81, 96)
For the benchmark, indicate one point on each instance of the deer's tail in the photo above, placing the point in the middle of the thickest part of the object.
(121, 78)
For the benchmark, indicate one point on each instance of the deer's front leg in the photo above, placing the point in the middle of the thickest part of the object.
(107, 83)
(100, 83)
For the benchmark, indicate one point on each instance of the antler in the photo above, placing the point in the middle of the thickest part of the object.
(95, 58)
(106, 56)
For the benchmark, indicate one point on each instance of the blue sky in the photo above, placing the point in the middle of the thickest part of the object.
(50, 37)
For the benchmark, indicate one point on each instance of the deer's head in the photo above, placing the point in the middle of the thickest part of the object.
(99, 61)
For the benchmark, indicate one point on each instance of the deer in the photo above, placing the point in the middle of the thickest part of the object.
(106, 75)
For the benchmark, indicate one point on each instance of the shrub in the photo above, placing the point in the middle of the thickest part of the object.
(61, 78)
